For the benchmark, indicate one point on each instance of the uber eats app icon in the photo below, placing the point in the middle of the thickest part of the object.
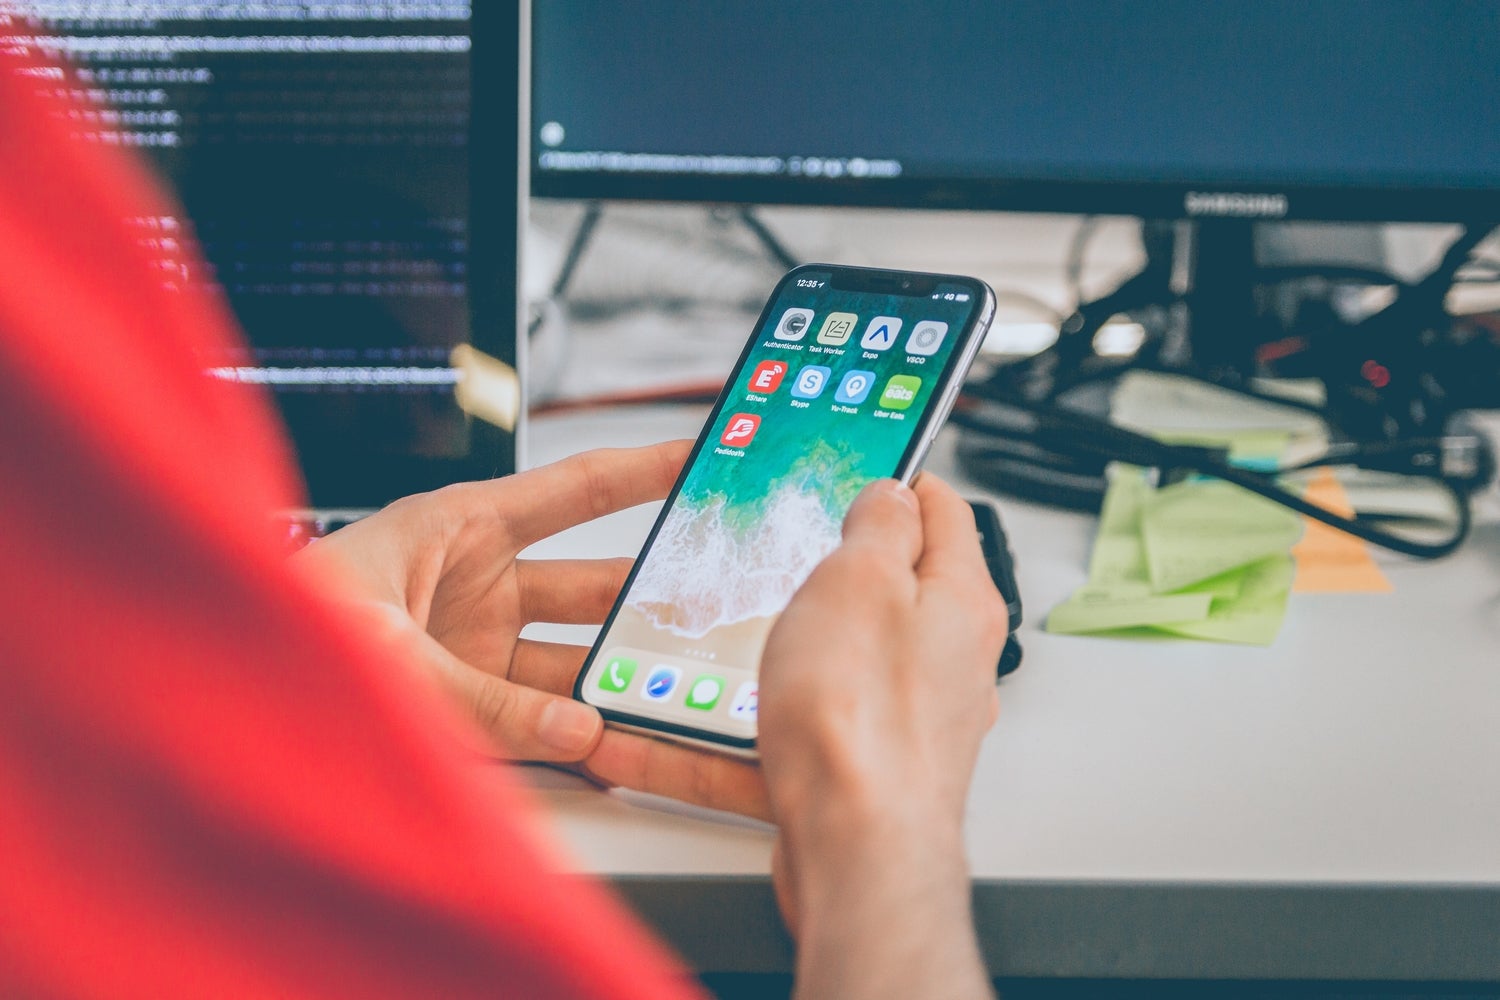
(900, 392)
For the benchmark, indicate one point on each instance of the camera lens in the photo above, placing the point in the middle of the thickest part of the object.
(906, 283)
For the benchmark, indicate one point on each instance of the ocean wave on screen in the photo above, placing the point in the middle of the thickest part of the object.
(704, 571)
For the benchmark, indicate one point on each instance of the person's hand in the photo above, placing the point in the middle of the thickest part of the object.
(877, 686)
(438, 575)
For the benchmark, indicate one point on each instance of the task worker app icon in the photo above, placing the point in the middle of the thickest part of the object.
(837, 329)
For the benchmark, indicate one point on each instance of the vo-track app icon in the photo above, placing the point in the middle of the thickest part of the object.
(740, 430)
(811, 381)
(854, 387)
(794, 324)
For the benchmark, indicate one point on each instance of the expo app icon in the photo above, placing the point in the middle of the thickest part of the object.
(794, 324)
(855, 387)
(740, 431)
(617, 675)
(705, 692)
(900, 392)
(881, 334)
(661, 682)
(811, 381)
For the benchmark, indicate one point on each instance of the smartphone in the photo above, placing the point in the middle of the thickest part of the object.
(847, 378)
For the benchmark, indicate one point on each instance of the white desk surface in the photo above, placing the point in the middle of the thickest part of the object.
(1327, 807)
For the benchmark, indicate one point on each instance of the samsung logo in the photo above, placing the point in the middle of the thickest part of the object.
(1238, 204)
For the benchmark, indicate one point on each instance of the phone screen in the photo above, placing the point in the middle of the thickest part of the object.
(838, 387)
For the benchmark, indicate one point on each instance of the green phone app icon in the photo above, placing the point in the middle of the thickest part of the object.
(705, 692)
(616, 674)
(900, 392)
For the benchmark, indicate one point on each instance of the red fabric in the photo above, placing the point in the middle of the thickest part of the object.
(211, 785)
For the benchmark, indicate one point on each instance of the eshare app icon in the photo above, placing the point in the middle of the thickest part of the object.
(767, 376)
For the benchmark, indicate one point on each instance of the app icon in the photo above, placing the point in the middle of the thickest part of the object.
(661, 682)
(837, 328)
(881, 334)
(854, 387)
(617, 674)
(767, 377)
(926, 337)
(746, 702)
(794, 324)
(811, 381)
(900, 392)
(741, 430)
(704, 694)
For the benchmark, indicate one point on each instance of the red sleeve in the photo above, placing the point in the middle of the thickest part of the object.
(210, 783)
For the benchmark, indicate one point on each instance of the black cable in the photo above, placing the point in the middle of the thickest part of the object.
(1071, 434)
(774, 246)
(582, 236)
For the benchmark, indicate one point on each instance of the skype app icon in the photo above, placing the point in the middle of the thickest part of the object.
(811, 381)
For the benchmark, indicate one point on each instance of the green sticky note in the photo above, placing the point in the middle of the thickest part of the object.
(1197, 530)
(1118, 556)
(1091, 610)
(1254, 617)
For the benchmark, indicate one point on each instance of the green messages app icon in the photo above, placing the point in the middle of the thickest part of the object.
(617, 674)
(900, 392)
(704, 694)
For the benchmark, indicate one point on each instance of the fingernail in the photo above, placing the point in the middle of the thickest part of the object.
(567, 726)
(904, 493)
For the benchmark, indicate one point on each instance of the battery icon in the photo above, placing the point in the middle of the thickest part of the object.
(961, 297)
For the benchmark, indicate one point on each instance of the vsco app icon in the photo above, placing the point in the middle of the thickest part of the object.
(926, 337)
(794, 324)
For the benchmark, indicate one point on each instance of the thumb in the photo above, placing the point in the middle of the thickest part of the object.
(886, 515)
(527, 724)
(521, 722)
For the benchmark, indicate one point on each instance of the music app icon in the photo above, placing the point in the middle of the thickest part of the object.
(740, 430)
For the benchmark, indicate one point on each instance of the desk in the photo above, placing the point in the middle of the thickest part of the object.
(1327, 808)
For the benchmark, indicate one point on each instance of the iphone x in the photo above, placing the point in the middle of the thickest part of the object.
(847, 378)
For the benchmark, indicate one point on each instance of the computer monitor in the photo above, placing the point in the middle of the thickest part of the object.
(1208, 120)
(324, 161)
(1319, 109)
